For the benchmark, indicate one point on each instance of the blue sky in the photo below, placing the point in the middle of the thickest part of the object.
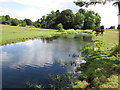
(34, 9)
(12, 5)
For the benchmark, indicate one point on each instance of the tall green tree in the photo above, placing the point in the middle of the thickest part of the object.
(81, 10)
(50, 20)
(78, 21)
(43, 22)
(7, 19)
(92, 20)
(66, 18)
(97, 20)
(28, 21)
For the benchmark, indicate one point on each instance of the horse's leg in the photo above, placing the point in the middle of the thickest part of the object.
(97, 33)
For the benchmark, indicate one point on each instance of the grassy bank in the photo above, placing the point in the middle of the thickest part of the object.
(102, 66)
(12, 34)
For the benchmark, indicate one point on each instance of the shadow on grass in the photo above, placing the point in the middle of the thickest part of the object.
(100, 70)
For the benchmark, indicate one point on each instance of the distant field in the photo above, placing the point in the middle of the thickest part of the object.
(109, 39)
(11, 34)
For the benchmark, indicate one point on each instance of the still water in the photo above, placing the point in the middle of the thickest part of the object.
(35, 60)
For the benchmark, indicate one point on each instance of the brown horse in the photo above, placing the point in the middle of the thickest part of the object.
(98, 31)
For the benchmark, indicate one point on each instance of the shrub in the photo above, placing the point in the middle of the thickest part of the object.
(87, 50)
(77, 27)
(37, 25)
(23, 24)
(60, 27)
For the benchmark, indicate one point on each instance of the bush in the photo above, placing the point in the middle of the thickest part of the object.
(37, 25)
(23, 24)
(77, 27)
(14, 22)
(87, 50)
(60, 27)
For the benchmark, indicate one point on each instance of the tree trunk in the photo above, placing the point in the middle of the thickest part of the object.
(119, 21)
(119, 26)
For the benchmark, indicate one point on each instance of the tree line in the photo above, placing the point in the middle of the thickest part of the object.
(66, 19)
(14, 21)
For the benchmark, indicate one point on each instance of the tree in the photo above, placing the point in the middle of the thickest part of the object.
(97, 20)
(112, 27)
(37, 24)
(66, 18)
(43, 22)
(81, 10)
(118, 27)
(82, 3)
(92, 20)
(3, 20)
(102, 27)
(50, 20)
(14, 22)
(22, 23)
(28, 21)
(7, 19)
(78, 21)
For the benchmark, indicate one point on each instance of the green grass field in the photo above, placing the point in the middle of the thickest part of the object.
(108, 40)
(12, 34)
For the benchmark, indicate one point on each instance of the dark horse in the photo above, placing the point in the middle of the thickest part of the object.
(98, 31)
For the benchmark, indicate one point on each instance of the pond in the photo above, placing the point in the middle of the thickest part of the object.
(35, 60)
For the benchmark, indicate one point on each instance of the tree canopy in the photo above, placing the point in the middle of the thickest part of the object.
(80, 20)
(70, 20)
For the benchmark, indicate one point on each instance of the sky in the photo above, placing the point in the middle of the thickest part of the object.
(35, 9)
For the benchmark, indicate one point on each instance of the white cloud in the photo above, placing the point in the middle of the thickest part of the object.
(36, 8)
(108, 13)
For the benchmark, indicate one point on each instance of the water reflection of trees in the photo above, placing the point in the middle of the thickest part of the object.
(49, 39)
(67, 36)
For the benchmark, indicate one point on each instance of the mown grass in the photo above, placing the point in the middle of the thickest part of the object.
(12, 34)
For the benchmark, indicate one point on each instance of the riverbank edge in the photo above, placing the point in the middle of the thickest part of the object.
(16, 40)
(88, 81)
